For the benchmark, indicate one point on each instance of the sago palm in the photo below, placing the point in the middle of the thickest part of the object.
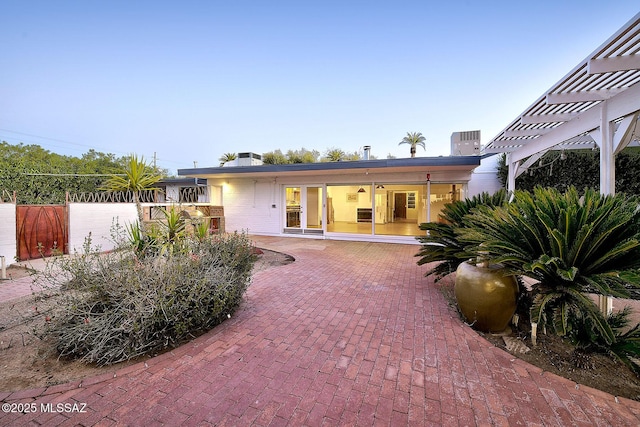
(570, 245)
(441, 242)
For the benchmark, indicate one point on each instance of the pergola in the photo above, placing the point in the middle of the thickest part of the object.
(595, 104)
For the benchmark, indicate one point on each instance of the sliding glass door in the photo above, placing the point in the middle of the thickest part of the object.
(304, 213)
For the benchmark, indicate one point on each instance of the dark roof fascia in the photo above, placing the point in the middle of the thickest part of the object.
(182, 181)
(331, 166)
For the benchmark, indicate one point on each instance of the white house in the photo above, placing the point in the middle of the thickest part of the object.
(371, 200)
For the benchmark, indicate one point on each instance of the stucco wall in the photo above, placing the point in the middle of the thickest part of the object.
(97, 219)
(8, 232)
(485, 177)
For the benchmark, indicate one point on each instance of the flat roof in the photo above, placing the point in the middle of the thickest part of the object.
(411, 164)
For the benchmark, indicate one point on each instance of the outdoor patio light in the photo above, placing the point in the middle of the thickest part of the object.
(361, 190)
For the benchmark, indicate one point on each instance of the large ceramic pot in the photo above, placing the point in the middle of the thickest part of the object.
(485, 296)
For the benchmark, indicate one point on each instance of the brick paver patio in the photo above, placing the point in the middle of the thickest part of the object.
(351, 333)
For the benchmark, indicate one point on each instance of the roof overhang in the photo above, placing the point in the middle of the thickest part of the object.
(416, 164)
(186, 182)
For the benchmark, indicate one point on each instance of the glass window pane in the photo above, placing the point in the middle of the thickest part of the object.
(400, 208)
(292, 195)
(442, 194)
(349, 208)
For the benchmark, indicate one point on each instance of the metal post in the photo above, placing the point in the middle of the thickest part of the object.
(428, 197)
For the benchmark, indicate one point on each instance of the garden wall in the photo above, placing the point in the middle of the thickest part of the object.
(8, 247)
(99, 220)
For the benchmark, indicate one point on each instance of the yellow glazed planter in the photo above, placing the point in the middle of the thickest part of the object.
(486, 297)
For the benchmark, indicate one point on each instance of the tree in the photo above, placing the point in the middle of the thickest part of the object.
(39, 176)
(136, 177)
(414, 139)
(302, 156)
(274, 158)
(334, 155)
(227, 157)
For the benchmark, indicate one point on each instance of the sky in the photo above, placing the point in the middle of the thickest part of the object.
(183, 82)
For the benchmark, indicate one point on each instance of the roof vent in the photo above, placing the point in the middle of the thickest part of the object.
(367, 150)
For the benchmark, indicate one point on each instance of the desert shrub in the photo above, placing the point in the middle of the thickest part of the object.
(118, 306)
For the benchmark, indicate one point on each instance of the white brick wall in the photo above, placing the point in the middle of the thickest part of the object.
(247, 206)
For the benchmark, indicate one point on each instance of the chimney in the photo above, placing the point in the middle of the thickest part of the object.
(367, 149)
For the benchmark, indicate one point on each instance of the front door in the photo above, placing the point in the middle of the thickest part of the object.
(304, 213)
(400, 206)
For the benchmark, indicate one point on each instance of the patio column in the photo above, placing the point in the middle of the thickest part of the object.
(511, 176)
(604, 139)
(607, 157)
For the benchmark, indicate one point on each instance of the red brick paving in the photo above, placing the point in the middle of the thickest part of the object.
(349, 334)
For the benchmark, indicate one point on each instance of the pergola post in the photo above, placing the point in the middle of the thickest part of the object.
(607, 157)
(512, 172)
(607, 179)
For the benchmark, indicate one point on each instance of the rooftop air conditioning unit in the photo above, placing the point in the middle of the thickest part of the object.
(249, 159)
(465, 143)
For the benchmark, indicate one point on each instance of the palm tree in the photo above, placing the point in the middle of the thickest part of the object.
(414, 139)
(137, 176)
(334, 155)
(227, 157)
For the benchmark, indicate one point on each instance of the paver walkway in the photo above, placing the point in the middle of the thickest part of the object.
(349, 334)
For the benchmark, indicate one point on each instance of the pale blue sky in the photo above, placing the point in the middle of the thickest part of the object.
(191, 80)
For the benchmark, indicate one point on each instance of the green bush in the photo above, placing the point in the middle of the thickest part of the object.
(118, 306)
(577, 168)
